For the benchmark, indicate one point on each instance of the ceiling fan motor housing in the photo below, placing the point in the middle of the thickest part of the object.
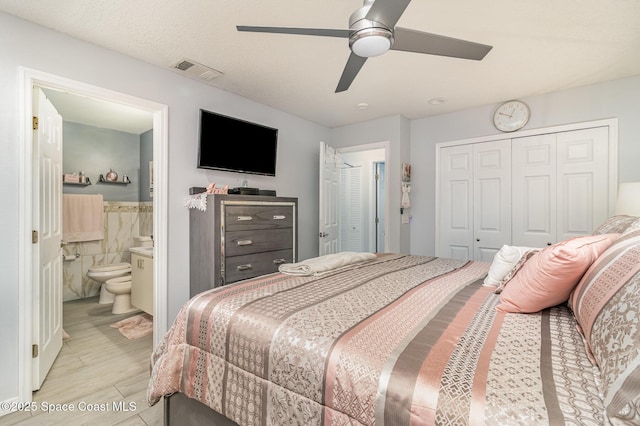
(369, 38)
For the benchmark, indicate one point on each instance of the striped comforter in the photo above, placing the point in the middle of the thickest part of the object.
(399, 340)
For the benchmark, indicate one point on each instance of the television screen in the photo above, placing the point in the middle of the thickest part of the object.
(235, 145)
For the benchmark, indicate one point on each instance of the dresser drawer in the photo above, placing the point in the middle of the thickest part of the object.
(241, 267)
(237, 243)
(257, 217)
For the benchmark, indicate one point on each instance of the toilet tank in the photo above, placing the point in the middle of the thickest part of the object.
(142, 241)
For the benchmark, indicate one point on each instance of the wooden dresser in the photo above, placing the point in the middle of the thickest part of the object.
(240, 237)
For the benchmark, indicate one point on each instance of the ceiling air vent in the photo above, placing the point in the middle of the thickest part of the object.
(195, 70)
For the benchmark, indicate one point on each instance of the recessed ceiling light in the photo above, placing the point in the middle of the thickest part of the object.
(362, 105)
(436, 101)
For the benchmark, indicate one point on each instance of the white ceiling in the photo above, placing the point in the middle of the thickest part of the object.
(538, 47)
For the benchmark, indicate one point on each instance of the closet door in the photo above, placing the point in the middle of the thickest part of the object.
(475, 200)
(583, 181)
(491, 198)
(456, 202)
(560, 185)
(534, 190)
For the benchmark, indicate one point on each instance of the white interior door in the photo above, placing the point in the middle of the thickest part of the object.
(492, 198)
(329, 191)
(583, 184)
(47, 253)
(351, 209)
(456, 202)
(534, 195)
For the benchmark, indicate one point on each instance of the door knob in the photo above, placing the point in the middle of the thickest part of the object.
(323, 234)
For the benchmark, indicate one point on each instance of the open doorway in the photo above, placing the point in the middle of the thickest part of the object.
(352, 202)
(361, 201)
(31, 79)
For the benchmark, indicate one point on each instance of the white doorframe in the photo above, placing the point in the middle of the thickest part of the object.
(27, 79)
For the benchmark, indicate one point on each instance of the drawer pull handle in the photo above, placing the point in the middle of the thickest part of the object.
(279, 217)
(245, 242)
(279, 261)
(241, 218)
(244, 267)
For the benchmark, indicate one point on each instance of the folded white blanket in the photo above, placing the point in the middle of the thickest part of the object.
(324, 264)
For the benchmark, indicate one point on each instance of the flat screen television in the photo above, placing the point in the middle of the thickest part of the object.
(235, 145)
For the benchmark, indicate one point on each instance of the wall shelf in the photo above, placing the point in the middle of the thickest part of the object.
(101, 179)
(87, 183)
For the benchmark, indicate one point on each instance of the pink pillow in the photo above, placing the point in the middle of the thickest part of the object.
(549, 276)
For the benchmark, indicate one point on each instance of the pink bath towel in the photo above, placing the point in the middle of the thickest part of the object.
(82, 217)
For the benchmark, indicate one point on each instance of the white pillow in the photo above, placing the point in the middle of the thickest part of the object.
(503, 261)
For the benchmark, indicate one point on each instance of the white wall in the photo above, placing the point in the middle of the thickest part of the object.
(32, 46)
(620, 98)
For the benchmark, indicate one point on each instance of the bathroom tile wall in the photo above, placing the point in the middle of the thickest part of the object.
(122, 222)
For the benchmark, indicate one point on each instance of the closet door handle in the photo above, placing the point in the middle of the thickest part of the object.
(243, 218)
(244, 242)
(244, 267)
(279, 217)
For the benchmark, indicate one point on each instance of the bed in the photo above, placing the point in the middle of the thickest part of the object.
(410, 340)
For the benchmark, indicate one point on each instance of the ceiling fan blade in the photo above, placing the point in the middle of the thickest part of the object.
(300, 31)
(433, 44)
(354, 63)
(387, 11)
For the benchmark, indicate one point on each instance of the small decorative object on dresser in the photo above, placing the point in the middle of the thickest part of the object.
(511, 116)
(240, 236)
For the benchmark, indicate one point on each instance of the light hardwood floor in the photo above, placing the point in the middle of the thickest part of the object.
(97, 368)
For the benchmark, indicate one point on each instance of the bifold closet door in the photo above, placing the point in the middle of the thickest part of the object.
(491, 198)
(474, 200)
(456, 202)
(534, 190)
(560, 185)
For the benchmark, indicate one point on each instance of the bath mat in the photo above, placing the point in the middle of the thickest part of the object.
(135, 327)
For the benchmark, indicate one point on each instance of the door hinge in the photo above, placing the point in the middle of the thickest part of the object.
(34, 351)
(377, 220)
(34, 236)
(35, 123)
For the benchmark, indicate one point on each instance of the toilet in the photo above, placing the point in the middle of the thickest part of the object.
(121, 289)
(103, 273)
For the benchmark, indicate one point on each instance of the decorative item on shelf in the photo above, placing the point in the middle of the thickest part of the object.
(211, 189)
(75, 179)
(112, 176)
(125, 180)
(70, 178)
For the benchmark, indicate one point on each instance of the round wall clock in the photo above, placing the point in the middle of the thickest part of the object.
(511, 116)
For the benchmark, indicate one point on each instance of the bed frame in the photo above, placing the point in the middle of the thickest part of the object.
(181, 410)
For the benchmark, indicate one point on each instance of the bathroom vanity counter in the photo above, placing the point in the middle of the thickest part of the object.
(142, 278)
(142, 251)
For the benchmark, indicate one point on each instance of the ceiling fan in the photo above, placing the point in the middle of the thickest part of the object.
(372, 32)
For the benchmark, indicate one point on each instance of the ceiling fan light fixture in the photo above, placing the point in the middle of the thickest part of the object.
(371, 42)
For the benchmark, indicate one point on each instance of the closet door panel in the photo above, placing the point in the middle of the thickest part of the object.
(583, 158)
(492, 198)
(534, 191)
(456, 198)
